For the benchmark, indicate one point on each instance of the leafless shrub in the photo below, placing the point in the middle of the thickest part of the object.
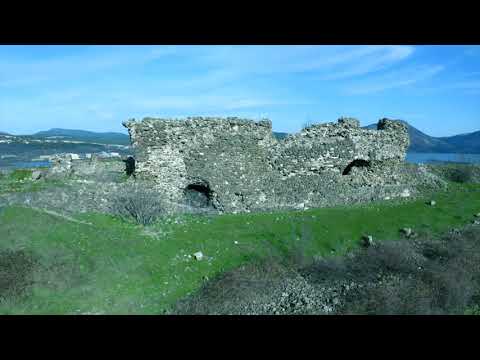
(139, 204)
(15, 272)
(446, 281)
(307, 124)
(462, 174)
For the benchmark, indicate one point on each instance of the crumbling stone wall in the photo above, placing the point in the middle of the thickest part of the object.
(96, 168)
(229, 158)
(238, 165)
(333, 147)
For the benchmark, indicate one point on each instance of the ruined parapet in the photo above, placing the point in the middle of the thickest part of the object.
(347, 122)
(338, 147)
(65, 166)
(61, 165)
(237, 165)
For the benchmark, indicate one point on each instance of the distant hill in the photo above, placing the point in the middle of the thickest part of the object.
(83, 135)
(468, 143)
(419, 141)
(280, 135)
(423, 143)
(15, 149)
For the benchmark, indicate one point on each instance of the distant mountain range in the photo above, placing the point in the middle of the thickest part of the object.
(419, 141)
(83, 135)
(22, 149)
(101, 138)
(467, 143)
(280, 135)
(423, 143)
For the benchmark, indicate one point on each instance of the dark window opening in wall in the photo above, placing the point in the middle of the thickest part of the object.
(199, 195)
(355, 163)
(130, 166)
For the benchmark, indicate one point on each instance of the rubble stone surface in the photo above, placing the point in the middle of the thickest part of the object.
(237, 165)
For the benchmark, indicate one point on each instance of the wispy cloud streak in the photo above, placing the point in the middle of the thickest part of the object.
(394, 79)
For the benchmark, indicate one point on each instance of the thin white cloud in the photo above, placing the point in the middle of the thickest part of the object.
(376, 60)
(218, 102)
(212, 66)
(21, 72)
(339, 61)
(465, 87)
(472, 85)
(394, 79)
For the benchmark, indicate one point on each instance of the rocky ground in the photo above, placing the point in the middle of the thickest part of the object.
(420, 276)
(83, 186)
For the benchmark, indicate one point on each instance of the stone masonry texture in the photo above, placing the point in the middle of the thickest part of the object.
(238, 164)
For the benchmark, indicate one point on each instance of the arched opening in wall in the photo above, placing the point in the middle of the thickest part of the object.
(355, 163)
(199, 195)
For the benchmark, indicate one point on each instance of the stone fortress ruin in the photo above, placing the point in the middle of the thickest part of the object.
(237, 165)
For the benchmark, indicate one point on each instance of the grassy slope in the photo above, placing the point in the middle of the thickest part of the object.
(19, 180)
(117, 268)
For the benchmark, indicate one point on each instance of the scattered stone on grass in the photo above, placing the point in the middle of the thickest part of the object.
(407, 231)
(198, 255)
(454, 231)
(36, 175)
(367, 240)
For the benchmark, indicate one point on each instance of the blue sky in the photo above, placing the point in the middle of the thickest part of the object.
(435, 88)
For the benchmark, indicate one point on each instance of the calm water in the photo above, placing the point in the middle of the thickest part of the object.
(411, 157)
(27, 164)
(437, 157)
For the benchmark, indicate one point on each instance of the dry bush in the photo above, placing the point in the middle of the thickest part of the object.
(139, 204)
(445, 281)
(462, 174)
(16, 269)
